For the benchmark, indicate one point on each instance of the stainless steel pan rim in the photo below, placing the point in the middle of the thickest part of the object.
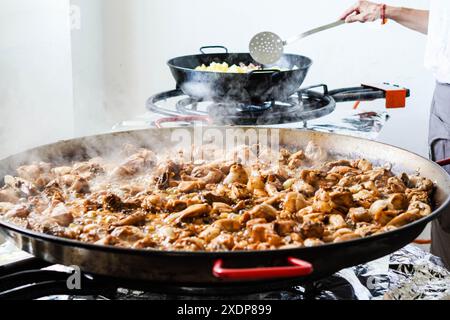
(78, 244)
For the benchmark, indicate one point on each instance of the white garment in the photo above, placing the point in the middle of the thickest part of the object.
(437, 57)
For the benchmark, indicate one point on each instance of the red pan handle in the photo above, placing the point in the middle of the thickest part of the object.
(159, 122)
(298, 268)
(444, 163)
(422, 241)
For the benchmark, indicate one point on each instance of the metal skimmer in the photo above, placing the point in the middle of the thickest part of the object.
(268, 47)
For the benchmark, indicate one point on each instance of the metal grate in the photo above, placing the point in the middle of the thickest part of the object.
(304, 105)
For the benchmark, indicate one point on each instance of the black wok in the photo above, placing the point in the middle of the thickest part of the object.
(255, 87)
(206, 269)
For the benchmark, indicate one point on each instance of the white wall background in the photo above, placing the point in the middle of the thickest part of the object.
(35, 73)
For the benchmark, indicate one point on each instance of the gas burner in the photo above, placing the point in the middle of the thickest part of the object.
(35, 279)
(303, 106)
(191, 106)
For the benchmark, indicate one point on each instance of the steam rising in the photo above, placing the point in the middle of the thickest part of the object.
(164, 143)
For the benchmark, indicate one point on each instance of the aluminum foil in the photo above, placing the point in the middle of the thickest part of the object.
(422, 277)
(409, 274)
(359, 124)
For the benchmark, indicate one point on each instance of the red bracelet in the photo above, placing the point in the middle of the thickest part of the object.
(384, 20)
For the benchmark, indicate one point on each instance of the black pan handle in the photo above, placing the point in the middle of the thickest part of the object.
(273, 73)
(324, 88)
(265, 71)
(359, 94)
(202, 49)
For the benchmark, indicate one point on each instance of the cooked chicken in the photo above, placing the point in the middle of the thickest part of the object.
(162, 202)
(383, 212)
(405, 218)
(213, 176)
(220, 207)
(359, 215)
(364, 198)
(190, 212)
(228, 225)
(146, 243)
(128, 233)
(20, 186)
(396, 185)
(134, 219)
(362, 165)
(210, 233)
(284, 228)
(347, 237)
(8, 195)
(237, 174)
(296, 160)
(255, 182)
(80, 185)
(313, 242)
(264, 211)
(31, 172)
(261, 232)
(18, 211)
(62, 215)
(6, 206)
(294, 202)
(154, 203)
(322, 202)
(312, 230)
(398, 201)
(223, 242)
(424, 209)
(135, 164)
(342, 198)
(239, 192)
(315, 153)
(304, 188)
(191, 186)
(337, 221)
(418, 182)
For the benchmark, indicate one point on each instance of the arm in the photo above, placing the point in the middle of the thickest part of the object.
(366, 11)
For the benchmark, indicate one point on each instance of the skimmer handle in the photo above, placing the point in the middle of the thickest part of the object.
(314, 31)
